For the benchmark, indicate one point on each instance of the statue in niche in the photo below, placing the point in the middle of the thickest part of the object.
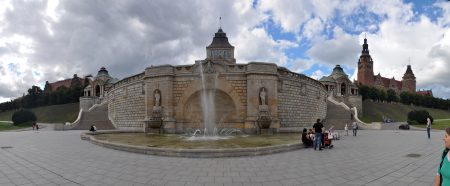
(157, 98)
(262, 96)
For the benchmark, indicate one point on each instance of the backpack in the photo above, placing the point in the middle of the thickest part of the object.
(442, 162)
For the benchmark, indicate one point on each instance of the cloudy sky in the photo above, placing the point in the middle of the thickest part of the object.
(52, 40)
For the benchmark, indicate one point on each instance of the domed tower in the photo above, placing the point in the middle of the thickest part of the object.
(409, 80)
(220, 48)
(365, 66)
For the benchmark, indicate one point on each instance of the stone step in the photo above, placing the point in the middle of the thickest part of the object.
(98, 117)
(337, 116)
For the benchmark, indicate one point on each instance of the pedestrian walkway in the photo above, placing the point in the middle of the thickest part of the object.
(382, 157)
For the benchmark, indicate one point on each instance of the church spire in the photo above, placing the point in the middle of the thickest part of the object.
(365, 47)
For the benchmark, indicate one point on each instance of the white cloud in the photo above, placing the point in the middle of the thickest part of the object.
(317, 74)
(257, 45)
(299, 65)
(57, 39)
(342, 49)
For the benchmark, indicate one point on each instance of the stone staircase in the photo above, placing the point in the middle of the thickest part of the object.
(97, 115)
(337, 116)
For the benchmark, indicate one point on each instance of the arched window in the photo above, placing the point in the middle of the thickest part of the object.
(343, 90)
(97, 90)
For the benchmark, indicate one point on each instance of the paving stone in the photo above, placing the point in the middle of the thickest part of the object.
(354, 161)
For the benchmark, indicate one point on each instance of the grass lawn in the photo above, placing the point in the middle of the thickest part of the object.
(440, 125)
(50, 114)
(9, 126)
(374, 111)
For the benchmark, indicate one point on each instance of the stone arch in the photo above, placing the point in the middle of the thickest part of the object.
(224, 112)
(221, 85)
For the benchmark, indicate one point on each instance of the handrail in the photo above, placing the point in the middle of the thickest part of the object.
(354, 110)
(79, 116)
(330, 98)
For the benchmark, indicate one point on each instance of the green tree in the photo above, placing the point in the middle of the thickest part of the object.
(418, 116)
(22, 116)
(391, 96)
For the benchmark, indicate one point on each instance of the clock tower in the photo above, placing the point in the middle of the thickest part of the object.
(365, 66)
(220, 49)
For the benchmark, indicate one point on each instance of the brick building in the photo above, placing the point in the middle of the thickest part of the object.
(367, 77)
(49, 87)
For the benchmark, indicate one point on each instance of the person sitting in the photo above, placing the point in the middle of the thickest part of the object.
(305, 138)
(93, 128)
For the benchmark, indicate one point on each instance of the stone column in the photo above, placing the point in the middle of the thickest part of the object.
(161, 78)
(261, 75)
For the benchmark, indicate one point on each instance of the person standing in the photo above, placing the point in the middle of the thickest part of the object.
(318, 135)
(428, 126)
(443, 174)
(355, 128)
(346, 129)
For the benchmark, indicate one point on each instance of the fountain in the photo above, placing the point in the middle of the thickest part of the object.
(210, 131)
(212, 108)
(207, 98)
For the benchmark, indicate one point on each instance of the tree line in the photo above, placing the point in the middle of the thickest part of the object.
(37, 97)
(408, 98)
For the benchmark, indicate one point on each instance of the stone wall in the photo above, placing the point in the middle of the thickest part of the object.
(178, 89)
(294, 100)
(88, 102)
(301, 101)
(126, 106)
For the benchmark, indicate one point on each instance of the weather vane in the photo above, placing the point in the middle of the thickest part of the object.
(220, 22)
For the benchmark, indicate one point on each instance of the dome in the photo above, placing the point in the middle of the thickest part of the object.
(220, 40)
(338, 72)
(327, 79)
(102, 72)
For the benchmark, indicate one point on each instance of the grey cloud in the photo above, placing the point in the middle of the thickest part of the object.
(91, 34)
(440, 51)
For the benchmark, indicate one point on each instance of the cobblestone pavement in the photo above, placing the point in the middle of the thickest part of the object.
(371, 158)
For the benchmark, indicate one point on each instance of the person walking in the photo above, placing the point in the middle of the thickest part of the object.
(318, 135)
(443, 173)
(346, 129)
(428, 126)
(355, 128)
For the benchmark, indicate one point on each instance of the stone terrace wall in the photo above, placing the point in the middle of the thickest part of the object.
(126, 105)
(301, 100)
(178, 89)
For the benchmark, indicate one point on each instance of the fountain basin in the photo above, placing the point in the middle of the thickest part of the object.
(176, 145)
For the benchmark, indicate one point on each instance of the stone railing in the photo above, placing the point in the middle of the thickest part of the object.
(129, 80)
(355, 114)
(283, 72)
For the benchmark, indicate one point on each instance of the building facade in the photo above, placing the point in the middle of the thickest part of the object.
(367, 77)
(243, 93)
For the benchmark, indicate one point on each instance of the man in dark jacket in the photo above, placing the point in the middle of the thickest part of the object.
(318, 135)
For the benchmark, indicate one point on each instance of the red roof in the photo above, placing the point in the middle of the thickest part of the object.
(66, 83)
(425, 92)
